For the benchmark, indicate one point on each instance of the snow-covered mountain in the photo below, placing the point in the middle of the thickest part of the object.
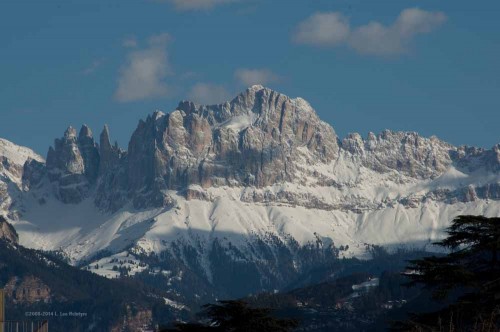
(240, 196)
(12, 160)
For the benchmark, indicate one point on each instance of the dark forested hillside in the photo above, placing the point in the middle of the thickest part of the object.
(40, 286)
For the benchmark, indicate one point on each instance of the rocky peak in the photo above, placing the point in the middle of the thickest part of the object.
(33, 173)
(251, 140)
(90, 153)
(112, 189)
(104, 138)
(65, 156)
(405, 152)
(259, 138)
(474, 158)
(109, 154)
(494, 158)
(85, 132)
(7, 231)
(72, 164)
(70, 133)
(354, 143)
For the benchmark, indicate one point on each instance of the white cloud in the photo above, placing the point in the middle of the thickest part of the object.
(413, 21)
(206, 93)
(143, 75)
(198, 4)
(322, 29)
(377, 39)
(160, 40)
(250, 77)
(374, 38)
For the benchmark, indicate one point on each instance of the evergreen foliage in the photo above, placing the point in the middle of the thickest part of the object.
(236, 316)
(469, 275)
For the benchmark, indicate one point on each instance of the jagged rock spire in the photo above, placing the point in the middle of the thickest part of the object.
(90, 153)
(70, 133)
(109, 155)
(105, 134)
(85, 131)
(72, 164)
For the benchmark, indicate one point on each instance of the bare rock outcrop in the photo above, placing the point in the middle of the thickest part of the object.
(27, 290)
(7, 232)
(251, 140)
(405, 152)
(72, 165)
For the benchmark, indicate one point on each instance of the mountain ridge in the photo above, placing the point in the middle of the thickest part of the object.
(259, 182)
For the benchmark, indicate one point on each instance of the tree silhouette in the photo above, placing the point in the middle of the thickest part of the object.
(236, 316)
(471, 272)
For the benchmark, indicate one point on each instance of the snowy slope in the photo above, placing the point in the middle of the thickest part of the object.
(83, 230)
(16, 153)
(12, 159)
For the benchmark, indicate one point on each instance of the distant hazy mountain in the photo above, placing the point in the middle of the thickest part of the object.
(229, 199)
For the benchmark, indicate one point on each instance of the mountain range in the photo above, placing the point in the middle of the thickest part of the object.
(240, 197)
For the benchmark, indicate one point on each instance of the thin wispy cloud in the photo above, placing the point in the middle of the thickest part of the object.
(130, 42)
(191, 5)
(189, 75)
(208, 93)
(144, 73)
(250, 77)
(90, 69)
(333, 29)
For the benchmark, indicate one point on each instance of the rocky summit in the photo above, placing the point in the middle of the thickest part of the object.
(257, 184)
(254, 140)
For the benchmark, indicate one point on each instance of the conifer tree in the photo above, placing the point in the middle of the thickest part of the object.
(236, 316)
(471, 272)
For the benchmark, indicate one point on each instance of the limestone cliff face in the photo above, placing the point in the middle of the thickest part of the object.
(112, 184)
(89, 152)
(109, 155)
(7, 232)
(252, 140)
(72, 165)
(473, 158)
(259, 139)
(405, 152)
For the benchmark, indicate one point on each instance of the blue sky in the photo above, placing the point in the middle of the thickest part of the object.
(426, 66)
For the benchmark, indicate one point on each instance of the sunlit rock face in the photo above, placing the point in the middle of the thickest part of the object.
(252, 140)
(72, 165)
(405, 152)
